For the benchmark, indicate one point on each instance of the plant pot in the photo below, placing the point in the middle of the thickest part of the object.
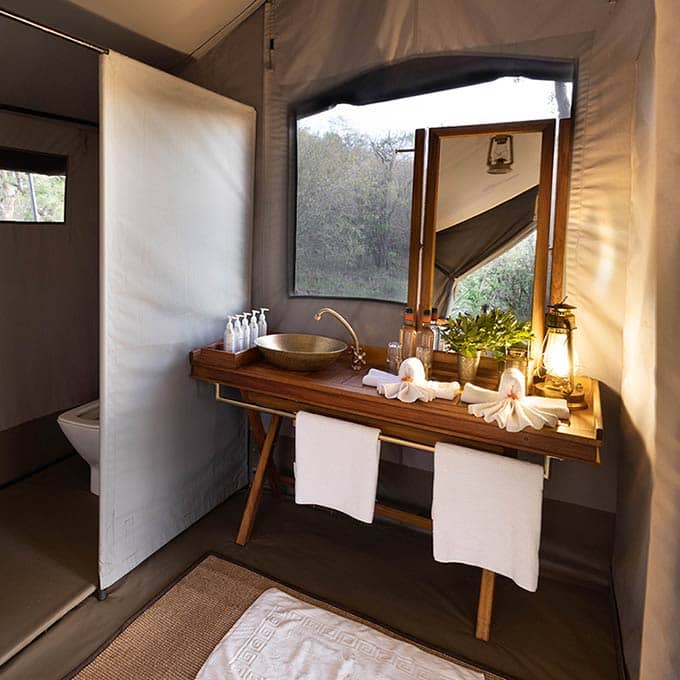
(467, 367)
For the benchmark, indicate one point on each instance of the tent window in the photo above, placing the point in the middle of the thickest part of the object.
(353, 167)
(32, 186)
(353, 212)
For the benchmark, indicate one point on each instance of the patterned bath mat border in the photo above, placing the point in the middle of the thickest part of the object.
(243, 605)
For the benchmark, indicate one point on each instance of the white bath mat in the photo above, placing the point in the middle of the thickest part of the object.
(280, 637)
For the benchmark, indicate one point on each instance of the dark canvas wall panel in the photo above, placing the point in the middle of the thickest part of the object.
(49, 283)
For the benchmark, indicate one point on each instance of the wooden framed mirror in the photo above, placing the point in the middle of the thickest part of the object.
(489, 192)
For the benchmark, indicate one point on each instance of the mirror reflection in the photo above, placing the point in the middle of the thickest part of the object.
(486, 229)
(486, 218)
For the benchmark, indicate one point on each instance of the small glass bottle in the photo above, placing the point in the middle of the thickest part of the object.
(425, 342)
(407, 334)
(425, 336)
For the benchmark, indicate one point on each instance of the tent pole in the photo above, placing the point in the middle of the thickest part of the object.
(52, 31)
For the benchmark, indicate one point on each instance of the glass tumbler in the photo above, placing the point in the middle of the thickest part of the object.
(393, 356)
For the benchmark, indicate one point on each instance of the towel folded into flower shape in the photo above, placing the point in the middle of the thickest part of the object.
(510, 408)
(410, 385)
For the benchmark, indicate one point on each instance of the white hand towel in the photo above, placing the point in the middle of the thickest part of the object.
(477, 395)
(510, 408)
(410, 385)
(445, 390)
(375, 376)
(336, 465)
(486, 512)
(407, 391)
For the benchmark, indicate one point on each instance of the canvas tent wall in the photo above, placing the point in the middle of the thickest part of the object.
(621, 61)
(48, 301)
(176, 223)
(621, 256)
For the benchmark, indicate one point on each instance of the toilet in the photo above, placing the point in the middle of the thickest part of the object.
(81, 427)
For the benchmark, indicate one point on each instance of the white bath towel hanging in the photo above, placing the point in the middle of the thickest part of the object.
(336, 465)
(486, 512)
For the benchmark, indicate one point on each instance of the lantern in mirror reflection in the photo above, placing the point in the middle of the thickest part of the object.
(501, 155)
(557, 366)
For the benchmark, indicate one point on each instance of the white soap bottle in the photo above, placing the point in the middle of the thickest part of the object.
(238, 334)
(246, 331)
(254, 330)
(229, 336)
(262, 322)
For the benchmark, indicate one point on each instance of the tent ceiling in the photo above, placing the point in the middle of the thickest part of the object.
(183, 25)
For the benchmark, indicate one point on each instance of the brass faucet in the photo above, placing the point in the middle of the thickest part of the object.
(358, 354)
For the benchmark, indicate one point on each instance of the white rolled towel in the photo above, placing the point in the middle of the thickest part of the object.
(509, 406)
(375, 376)
(412, 386)
(445, 390)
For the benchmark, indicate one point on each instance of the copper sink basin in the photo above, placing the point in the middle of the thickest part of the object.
(299, 351)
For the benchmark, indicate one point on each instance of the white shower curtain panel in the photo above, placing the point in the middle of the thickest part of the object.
(177, 179)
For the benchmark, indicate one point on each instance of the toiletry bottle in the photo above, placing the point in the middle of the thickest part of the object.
(434, 325)
(425, 336)
(238, 333)
(407, 334)
(246, 330)
(262, 322)
(254, 330)
(229, 336)
(425, 342)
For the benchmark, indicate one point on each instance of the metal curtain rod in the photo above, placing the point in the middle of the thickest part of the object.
(52, 31)
(383, 438)
(49, 116)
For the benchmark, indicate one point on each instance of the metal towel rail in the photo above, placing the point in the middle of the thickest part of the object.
(383, 438)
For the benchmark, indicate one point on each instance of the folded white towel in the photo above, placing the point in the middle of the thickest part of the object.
(445, 390)
(509, 406)
(336, 465)
(375, 376)
(486, 512)
(477, 395)
(410, 385)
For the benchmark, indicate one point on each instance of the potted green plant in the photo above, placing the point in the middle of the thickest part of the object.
(491, 330)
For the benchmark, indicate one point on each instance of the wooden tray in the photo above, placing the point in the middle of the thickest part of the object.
(214, 355)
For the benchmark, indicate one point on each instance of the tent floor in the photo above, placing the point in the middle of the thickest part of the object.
(384, 572)
(48, 565)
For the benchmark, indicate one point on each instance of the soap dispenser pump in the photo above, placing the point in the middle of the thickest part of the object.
(262, 322)
(238, 333)
(245, 338)
(229, 336)
(254, 328)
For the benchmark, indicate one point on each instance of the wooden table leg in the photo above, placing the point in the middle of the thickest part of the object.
(485, 608)
(257, 429)
(248, 518)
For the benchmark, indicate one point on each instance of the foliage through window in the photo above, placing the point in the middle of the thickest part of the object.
(32, 186)
(353, 214)
(355, 173)
(505, 283)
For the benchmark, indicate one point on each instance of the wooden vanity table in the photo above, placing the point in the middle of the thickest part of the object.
(338, 392)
